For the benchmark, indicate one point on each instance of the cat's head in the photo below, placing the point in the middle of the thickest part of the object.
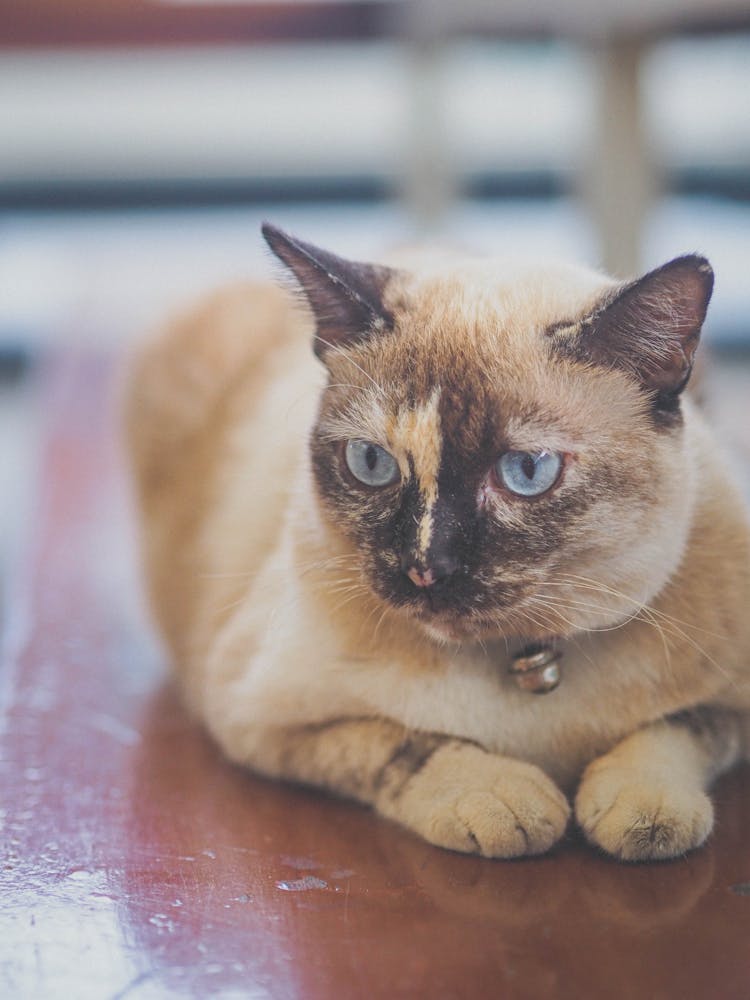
(501, 447)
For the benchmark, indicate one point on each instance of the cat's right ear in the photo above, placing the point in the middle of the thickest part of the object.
(346, 297)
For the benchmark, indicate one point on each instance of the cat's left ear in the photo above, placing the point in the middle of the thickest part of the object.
(650, 328)
(346, 297)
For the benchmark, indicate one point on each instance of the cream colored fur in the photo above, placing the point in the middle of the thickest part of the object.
(302, 673)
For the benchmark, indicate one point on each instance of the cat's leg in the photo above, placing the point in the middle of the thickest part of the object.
(646, 798)
(450, 791)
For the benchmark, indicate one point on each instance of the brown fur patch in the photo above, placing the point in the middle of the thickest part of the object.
(415, 433)
(406, 761)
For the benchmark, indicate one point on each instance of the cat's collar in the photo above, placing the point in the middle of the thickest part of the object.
(536, 667)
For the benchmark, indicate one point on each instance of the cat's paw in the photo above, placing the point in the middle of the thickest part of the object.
(636, 818)
(469, 800)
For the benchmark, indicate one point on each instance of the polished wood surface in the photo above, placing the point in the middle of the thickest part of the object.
(137, 863)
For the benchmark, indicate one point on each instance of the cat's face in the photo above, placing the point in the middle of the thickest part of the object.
(488, 474)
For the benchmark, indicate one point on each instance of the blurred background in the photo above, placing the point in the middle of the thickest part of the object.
(142, 142)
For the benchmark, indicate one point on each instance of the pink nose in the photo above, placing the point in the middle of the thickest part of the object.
(419, 579)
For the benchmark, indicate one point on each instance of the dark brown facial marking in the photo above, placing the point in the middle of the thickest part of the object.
(475, 565)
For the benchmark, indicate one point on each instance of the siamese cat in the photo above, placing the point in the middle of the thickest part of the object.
(474, 559)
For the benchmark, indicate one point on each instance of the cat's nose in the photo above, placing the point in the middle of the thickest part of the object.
(420, 578)
(427, 575)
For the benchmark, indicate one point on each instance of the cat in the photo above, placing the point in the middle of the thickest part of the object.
(473, 560)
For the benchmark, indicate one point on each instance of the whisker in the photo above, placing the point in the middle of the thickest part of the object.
(228, 607)
(347, 600)
(382, 618)
(559, 606)
(570, 604)
(665, 624)
(303, 568)
(339, 351)
(344, 385)
(605, 588)
(346, 589)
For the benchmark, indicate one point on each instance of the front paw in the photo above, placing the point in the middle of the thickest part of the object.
(637, 818)
(469, 800)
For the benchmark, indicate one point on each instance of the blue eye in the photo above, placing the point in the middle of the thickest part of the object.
(371, 464)
(528, 474)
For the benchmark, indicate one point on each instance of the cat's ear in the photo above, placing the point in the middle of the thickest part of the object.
(650, 328)
(346, 297)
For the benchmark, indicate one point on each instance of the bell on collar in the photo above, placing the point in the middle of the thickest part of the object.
(536, 668)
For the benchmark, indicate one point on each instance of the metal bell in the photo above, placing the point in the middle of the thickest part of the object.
(536, 668)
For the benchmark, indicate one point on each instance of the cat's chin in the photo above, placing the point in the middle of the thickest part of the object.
(447, 628)
(442, 633)
(455, 628)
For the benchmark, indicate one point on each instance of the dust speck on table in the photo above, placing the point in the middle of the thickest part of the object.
(302, 884)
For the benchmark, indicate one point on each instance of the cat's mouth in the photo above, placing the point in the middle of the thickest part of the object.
(451, 626)
(463, 614)
(456, 613)
(493, 616)
(454, 628)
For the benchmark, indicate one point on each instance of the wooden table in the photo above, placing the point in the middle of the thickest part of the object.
(137, 863)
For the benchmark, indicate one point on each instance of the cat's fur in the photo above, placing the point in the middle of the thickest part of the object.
(281, 583)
